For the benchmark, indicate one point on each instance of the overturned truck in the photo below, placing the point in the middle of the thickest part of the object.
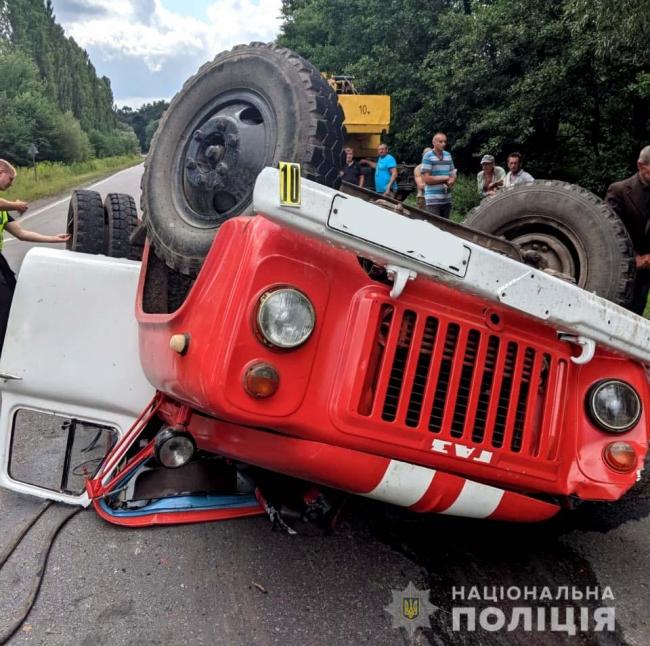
(286, 324)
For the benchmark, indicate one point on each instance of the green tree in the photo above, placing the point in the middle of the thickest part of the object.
(50, 93)
(144, 120)
(149, 132)
(566, 82)
(5, 23)
(27, 115)
(69, 76)
(69, 141)
(121, 141)
(383, 45)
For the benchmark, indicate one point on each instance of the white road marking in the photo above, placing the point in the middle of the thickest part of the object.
(29, 216)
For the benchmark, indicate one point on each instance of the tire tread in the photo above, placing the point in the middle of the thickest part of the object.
(626, 269)
(121, 220)
(86, 222)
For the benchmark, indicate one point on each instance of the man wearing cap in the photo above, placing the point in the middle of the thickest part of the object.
(7, 277)
(491, 178)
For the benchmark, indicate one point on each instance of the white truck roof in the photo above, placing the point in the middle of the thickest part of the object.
(413, 248)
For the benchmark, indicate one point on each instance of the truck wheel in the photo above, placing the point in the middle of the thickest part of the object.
(566, 229)
(86, 222)
(121, 219)
(251, 107)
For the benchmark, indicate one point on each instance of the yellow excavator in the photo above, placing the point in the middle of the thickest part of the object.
(367, 119)
(367, 116)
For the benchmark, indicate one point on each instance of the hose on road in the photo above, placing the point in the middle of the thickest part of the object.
(26, 607)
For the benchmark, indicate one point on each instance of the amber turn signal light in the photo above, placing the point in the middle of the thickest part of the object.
(620, 456)
(261, 380)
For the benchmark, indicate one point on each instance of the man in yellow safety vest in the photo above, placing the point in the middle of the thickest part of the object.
(7, 223)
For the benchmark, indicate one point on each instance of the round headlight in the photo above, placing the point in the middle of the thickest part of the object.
(613, 405)
(174, 448)
(285, 318)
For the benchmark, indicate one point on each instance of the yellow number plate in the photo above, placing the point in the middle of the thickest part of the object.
(289, 184)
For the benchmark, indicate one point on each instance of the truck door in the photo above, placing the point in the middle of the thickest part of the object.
(70, 377)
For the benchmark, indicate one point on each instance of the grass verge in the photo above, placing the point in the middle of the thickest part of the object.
(53, 178)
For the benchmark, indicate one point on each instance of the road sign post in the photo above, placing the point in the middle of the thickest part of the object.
(32, 151)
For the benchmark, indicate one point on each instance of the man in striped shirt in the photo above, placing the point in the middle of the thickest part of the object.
(439, 176)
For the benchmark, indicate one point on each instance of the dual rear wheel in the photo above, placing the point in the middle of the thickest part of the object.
(103, 228)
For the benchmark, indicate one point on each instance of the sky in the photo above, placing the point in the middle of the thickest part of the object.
(148, 48)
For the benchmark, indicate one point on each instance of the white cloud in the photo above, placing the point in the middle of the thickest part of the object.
(148, 48)
(155, 35)
(243, 21)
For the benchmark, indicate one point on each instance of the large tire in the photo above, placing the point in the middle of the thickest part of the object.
(121, 218)
(249, 108)
(566, 229)
(86, 222)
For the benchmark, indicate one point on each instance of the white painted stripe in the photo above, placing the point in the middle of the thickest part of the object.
(403, 484)
(32, 214)
(475, 501)
(24, 218)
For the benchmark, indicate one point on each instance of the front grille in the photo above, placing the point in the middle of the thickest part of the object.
(458, 381)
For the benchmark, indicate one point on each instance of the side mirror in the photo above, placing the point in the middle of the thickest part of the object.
(54, 453)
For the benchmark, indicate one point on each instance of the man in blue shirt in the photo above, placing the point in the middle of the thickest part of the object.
(439, 176)
(385, 171)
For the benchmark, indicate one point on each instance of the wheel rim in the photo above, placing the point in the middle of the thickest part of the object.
(227, 146)
(549, 244)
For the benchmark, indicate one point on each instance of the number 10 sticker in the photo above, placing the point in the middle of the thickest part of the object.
(289, 184)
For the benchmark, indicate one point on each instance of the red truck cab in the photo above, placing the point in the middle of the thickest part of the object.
(437, 400)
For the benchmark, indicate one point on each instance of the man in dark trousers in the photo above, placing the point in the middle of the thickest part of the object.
(630, 200)
(7, 223)
(352, 172)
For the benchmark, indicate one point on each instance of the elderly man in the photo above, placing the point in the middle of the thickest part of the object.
(7, 278)
(516, 174)
(630, 200)
(439, 175)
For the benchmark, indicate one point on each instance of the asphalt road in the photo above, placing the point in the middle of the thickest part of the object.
(50, 216)
(240, 583)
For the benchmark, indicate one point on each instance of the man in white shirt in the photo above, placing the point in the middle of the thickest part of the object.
(516, 174)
